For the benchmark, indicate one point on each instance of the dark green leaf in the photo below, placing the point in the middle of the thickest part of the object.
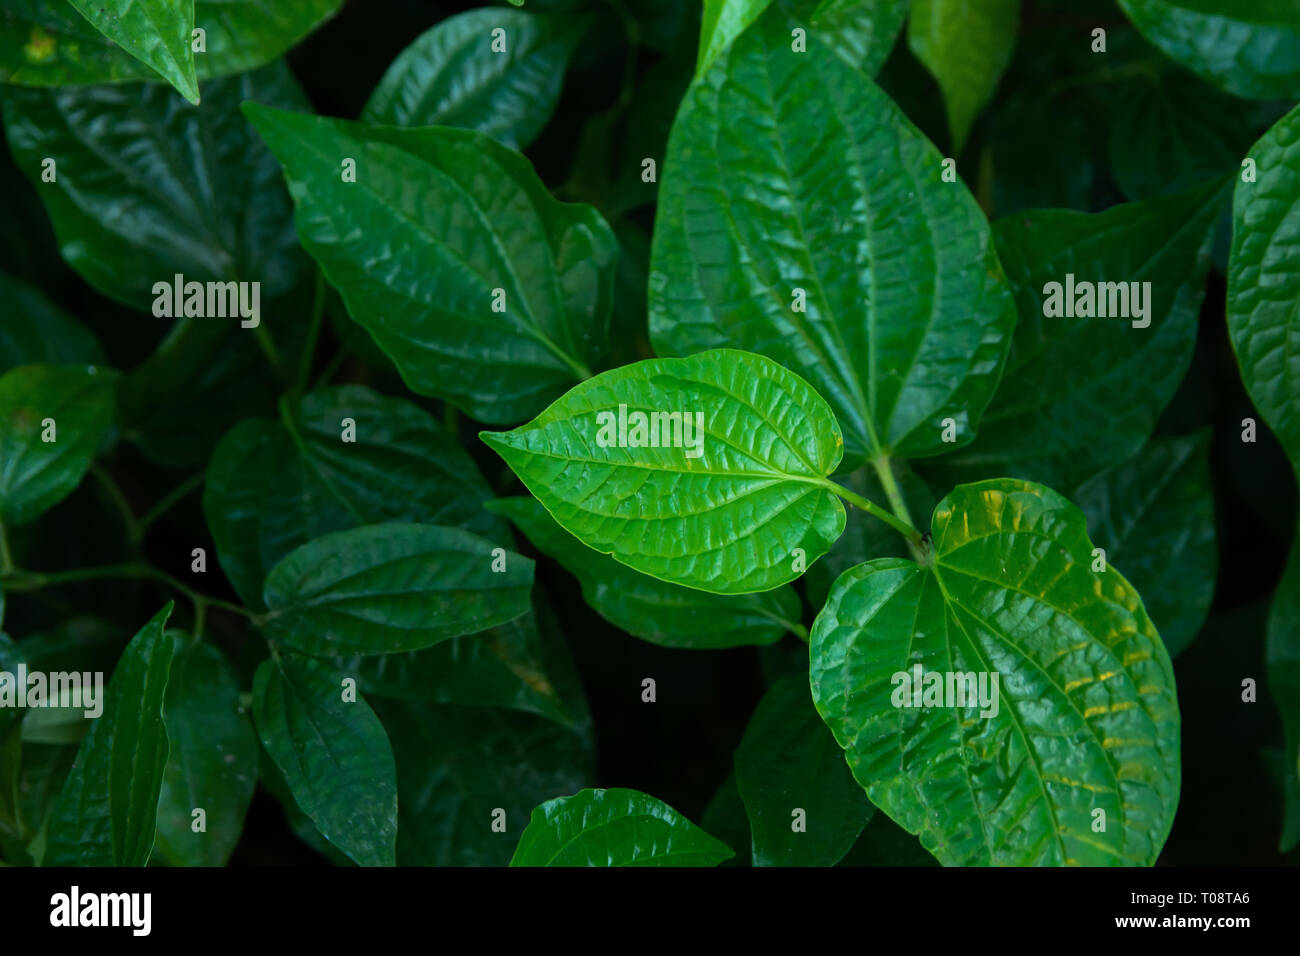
(1264, 281)
(213, 760)
(333, 753)
(666, 614)
(793, 181)
(340, 458)
(1154, 516)
(1283, 655)
(1083, 394)
(805, 808)
(1071, 757)
(1251, 49)
(388, 588)
(457, 766)
(451, 75)
(865, 30)
(107, 810)
(481, 233)
(38, 331)
(614, 827)
(721, 503)
(52, 419)
(725, 818)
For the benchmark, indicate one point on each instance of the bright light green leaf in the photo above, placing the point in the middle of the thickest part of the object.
(721, 504)
(788, 763)
(500, 297)
(388, 588)
(1086, 714)
(666, 614)
(213, 760)
(793, 182)
(333, 753)
(155, 32)
(614, 827)
(149, 187)
(50, 44)
(107, 811)
(456, 766)
(52, 419)
(38, 331)
(1154, 516)
(273, 486)
(1083, 394)
(1249, 48)
(966, 45)
(722, 22)
(1264, 281)
(451, 76)
(864, 30)
(1283, 655)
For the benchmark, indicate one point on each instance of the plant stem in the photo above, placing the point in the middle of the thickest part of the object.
(35, 580)
(900, 525)
(6, 556)
(165, 503)
(330, 369)
(313, 331)
(119, 500)
(915, 541)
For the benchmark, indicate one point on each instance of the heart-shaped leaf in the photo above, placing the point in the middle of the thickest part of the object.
(666, 614)
(388, 588)
(500, 297)
(614, 827)
(804, 217)
(1004, 701)
(708, 471)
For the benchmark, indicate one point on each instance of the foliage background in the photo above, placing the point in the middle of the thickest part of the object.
(1045, 140)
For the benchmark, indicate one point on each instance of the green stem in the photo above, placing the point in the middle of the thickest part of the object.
(119, 500)
(267, 345)
(915, 541)
(798, 630)
(165, 504)
(330, 369)
(313, 331)
(35, 580)
(903, 527)
(6, 556)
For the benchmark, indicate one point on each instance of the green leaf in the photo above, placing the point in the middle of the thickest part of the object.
(451, 76)
(669, 615)
(793, 180)
(52, 420)
(1154, 516)
(388, 588)
(333, 753)
(1264, 281)
(155, 32)
(788, 763)
(36, 331)
(724, 510)
(614, 827)
(481, 221)
(273, 486)
(1083, 394)
(725, 818)
(500, 667)
(722, 22)
(1086, 713)
(11, 743)
(213, 761)
(457, 766)
(1283, 656)
(148, 186)
(864, 29)
(50, 44)
(1250, 49)
(107, 811)
(966, 45)
(1170, 132)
